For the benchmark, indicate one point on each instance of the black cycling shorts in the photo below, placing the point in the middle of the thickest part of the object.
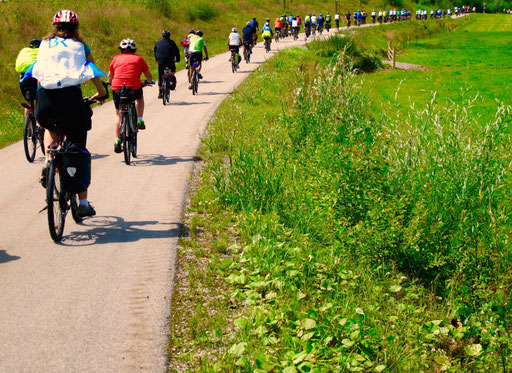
(28, 87)
(196, 57)
(63, 110)
(116, 96)
(235, 49)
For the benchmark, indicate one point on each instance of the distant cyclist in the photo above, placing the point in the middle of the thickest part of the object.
(248, 37)
(278, 26)
(197, 45)
(321, 22)
(337, 20)
(166, 54)
(267, 33)
(25, 59)
(255, 28)
(64, 62)
(234, 43)
(186, 43)
(328, 21)
(125, 70)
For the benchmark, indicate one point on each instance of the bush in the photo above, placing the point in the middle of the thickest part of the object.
(201, 11)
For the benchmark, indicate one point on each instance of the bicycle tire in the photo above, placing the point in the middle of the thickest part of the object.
(195, 84)
(133, 136)
(54, 202)
(167, 93)
(163, 91)
(40, 135)
(30, 137)
(126, 132)
(73, 202)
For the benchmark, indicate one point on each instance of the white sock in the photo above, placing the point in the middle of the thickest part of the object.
(84, 202)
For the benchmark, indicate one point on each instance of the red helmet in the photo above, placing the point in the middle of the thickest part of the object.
(65, 16)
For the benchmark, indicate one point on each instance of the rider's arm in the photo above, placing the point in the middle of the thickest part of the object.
(205, 51)
(148, 76)
(100, 89)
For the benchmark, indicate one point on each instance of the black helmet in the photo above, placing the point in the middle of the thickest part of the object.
(166, 33)
(35, 43)
(199, 33)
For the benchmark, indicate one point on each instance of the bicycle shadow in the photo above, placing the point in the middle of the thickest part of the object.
(183, 103)
(98, 156)
(144, 160)
(4, 257)
(114, 229)
(211, 81)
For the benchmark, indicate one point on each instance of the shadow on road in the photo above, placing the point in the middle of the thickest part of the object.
(189, 103)
(111, 229)
(98, 156)
(217, 93)
(211, 81)
(160, 160)
(4, 257)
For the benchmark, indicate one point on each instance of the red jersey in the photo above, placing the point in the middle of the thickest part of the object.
(126, 69)
(278, 23)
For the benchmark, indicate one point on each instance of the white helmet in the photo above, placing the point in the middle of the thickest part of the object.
(234, 29)
(266, 24)
(127, 44)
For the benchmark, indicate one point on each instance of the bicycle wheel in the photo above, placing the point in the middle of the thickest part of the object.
(133, 135)
(167, 93)
(55, 203)
(164, 83)
(126, 133)
(73, 202)
(30, 137)
(195, 82)
(40, 136)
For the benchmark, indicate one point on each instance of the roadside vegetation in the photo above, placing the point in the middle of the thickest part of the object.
(324, 235)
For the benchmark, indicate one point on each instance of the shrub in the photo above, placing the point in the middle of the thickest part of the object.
(201, 11)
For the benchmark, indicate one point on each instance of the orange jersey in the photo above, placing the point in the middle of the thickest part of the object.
(278, 23)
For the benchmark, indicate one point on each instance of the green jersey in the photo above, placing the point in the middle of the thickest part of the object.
(26, 57)
(196, 44)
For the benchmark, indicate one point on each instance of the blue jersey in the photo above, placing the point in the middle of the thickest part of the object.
(248, 33)
(254, 24)
(321, 21)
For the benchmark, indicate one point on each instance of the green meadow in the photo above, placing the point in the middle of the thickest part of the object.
(334, 228)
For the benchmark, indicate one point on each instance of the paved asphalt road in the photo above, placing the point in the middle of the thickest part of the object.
(99, 301)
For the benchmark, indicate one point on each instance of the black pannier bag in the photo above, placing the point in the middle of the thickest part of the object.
(76, 168)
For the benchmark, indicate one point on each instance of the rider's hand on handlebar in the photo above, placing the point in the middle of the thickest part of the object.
(206, 58)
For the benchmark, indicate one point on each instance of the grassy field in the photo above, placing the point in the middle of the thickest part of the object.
(106, 23)
(326, 236)
(475, 59)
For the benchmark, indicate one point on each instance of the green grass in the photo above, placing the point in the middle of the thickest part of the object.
(328, 237)
(475, 59)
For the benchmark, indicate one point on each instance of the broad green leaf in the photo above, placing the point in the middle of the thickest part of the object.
(309, 324)
(238, 349)
(380, 368)
(359, 311)
(299, 357)
(243, 362)
(290, 370)
(395, 288)
(240, 322)
(474, 350)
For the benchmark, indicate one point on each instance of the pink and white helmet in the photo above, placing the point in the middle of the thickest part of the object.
(65, 16)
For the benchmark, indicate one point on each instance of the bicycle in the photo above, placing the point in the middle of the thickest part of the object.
(234, 58)
(278, 35)
(267, 45)
(128, 122)
(60, 195)
(295, 34)
(247, 53)
(166, 87)
(33, 133)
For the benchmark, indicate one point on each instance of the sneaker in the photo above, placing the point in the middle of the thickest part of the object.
(141, 125)
(85, 210)
(44, 176)
(117, 146)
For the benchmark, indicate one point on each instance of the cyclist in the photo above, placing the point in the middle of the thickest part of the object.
(63, 62)
(255, 28)
(321, 21)
(374, 15)
(166, 54)
(307, 25)
(313, 22)
(267, 34)
(186, 42)
(197, 44)
(234, 43)
(364, 15)
(125, 70)
(295, 27)
(278, 26)
(328, 21)
(27, 57)
(357, 17)
(248, 37)
(337, 20)
(379, 17)
(347, 16)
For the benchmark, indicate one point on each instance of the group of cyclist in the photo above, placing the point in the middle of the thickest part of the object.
(53, 69)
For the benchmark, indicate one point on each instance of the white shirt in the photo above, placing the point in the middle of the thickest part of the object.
(313, 19)
(235, 39)
(373, 13)
(295, 23)
(336, 16)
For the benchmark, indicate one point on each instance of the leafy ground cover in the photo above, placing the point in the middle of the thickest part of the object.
(324, 237)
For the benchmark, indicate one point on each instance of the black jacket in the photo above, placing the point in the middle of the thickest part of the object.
(166, 51)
